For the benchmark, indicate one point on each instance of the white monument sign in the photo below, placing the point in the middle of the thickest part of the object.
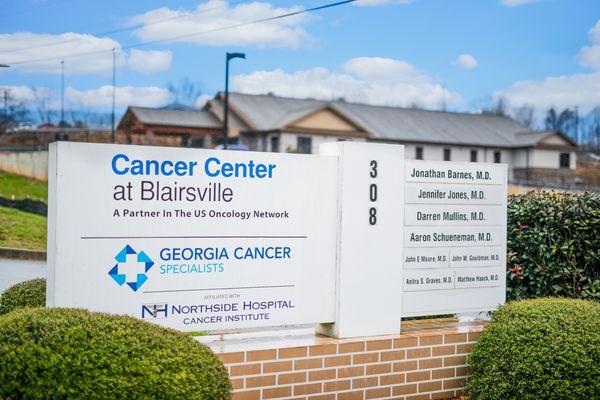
(193, 239)
(454, 237)
(204, 240)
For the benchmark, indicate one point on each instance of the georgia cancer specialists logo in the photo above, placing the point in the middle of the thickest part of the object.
(131, 268)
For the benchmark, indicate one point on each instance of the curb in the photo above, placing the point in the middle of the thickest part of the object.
(22, 254)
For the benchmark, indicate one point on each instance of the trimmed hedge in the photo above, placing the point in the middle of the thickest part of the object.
(553, 245)
(53, 353)
(542, 349)
(30, 293)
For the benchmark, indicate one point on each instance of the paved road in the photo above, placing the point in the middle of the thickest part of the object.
(15, 271)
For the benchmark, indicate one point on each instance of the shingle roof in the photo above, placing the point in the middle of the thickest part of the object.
(530, 138)
(267, 112)
(161, 116)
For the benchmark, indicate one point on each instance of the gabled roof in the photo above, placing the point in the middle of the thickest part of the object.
(412, 125)
(268, 112)
(265, 113)
(531, 138)
(166, 117)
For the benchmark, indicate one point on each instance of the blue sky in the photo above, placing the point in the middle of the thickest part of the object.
(541, 53)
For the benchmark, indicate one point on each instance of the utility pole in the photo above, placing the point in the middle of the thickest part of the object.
(577, 141)
(112, 116)
(228, 57)
(62, 93)
(5, 125)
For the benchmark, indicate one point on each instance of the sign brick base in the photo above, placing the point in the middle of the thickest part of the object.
(427, 361)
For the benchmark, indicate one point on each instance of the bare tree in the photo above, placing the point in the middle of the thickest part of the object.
(43, 100)
(524, 116)
(593, 130)
(186, 92)
(81, 115)
(498, 109)
(13, 111)
(566, 121)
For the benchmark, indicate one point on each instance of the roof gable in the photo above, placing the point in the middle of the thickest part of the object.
(166, 117)
(267, 113)
(324, 119)
(555, 140)
(548, 139)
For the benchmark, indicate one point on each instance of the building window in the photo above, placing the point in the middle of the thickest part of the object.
(447, 155)
(497, 157)
(304, 145)
(419, 153)
(197, 141)
(473, 155)
(185, 140)
(565, 160)
(275, 144)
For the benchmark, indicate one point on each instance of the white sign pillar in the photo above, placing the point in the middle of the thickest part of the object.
(369, 239)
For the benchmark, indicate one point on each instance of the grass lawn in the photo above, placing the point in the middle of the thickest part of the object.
(20, 187)
(22, 230)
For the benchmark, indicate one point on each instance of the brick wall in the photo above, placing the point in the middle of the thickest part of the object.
(546, 175)
(419, 364)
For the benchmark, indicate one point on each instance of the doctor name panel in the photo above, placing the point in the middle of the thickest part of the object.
(454, 237)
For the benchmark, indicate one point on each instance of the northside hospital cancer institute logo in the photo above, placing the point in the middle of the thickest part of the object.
(131, 268)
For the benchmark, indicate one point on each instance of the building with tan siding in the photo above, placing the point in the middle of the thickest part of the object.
(279, 124)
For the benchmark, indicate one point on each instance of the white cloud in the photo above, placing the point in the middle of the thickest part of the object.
(73, 43)
(581, 90)
(99, 98)
(23, 94)
(150, 61)
(594, 32)
(201, 100)
(374, 3)
(218, 14)
(49, 48)
(516, 3)
(589, 56)
(34, 97)
(466, 61)
(369, 80)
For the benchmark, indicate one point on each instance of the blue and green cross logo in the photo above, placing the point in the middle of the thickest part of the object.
(131, 268)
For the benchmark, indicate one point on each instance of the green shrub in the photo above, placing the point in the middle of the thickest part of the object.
(542, 349)
(25, 294)
(553, 245)
(54, 353)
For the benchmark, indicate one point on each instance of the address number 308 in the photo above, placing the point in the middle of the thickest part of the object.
(373, 192)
